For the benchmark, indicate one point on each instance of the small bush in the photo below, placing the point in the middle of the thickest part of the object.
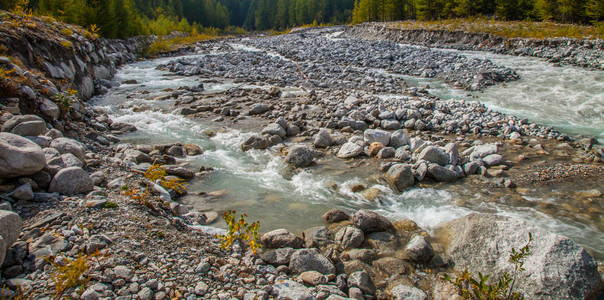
(111, 204)
(240, 231)
(69, 275)
(156, 172)
(66, 31)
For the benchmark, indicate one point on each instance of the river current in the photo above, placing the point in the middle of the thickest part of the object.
(258, 183)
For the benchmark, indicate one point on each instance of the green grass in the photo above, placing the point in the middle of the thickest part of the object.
(164, 45)
(508, 29)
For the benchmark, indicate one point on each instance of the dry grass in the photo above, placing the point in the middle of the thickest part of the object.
(508, 29)
(164, 45)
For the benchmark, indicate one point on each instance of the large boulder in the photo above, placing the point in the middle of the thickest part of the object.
(556, 268)
(434, 155)
(401, 176)
(66, 145)
(310, 260)
(376, 136)
(19, 156)
(369, 221)
(419, 250)
(299, 156)
(278, 257)
(28, 125)
(281, 238)
(71, 181)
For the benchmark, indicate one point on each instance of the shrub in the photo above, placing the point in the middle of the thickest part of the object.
(239, 231)
(70, 274)
(156, 172)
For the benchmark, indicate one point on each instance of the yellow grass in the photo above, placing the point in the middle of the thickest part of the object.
(508, 29)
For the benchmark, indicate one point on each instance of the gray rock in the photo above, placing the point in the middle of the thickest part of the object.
(386, 153)
(390, 124)
(71, 181)
(453, 151)
(145, 294)
(361, 280)
(434, 155)
(471, 167)
(71, 160)
(254, 142)
(278, 257)
(291, 290)
(10, 228)
(310, 260)
(441, 174)
(274, 129)
(318, 237)
(122, 272)
(350, 237)
(19, 156)
(323, 139)
(399, 138)
(335, 215)
(557, 268)
(369, 221)
(135, 156)
(89, 294)
(482, 151)
(405, 292)
(300, 156)
(259, 109)
(23, 192)
(493, 160)
(419, 250)
(281, 238)
(28, 125)
(201, 288)
(401, 176)
(66, 145)
(350, 150)
(380, 136)
(402, 154)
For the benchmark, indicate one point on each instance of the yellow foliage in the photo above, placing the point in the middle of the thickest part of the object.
(66, 31)
(70, 274)
(239, 230)
(66, 44)
(508, 29)
(163, 45)
(156, 172)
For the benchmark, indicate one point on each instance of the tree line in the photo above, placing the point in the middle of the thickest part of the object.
(124, 18)
(566, 11)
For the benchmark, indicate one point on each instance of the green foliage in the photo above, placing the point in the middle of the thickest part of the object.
(63, 100)
(111, 204)
(479, 289)
(240, 230)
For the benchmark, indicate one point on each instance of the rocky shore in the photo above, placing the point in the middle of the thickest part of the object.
(582, 53)
(73, 193)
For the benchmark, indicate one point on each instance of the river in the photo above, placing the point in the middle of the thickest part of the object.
(258, 183)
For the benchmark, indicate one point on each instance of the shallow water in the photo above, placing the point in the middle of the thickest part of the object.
(259, 184)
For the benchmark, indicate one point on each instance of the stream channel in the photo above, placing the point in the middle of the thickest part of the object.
(570, 99)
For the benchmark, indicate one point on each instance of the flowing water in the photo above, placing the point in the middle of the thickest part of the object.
(259, 184)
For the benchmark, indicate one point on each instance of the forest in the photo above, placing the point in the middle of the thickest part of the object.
(124, 18)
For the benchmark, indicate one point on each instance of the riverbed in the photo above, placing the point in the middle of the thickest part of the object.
(258, 183)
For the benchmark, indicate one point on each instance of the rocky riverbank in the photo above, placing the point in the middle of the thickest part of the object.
(583, 53)
(75, 195)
